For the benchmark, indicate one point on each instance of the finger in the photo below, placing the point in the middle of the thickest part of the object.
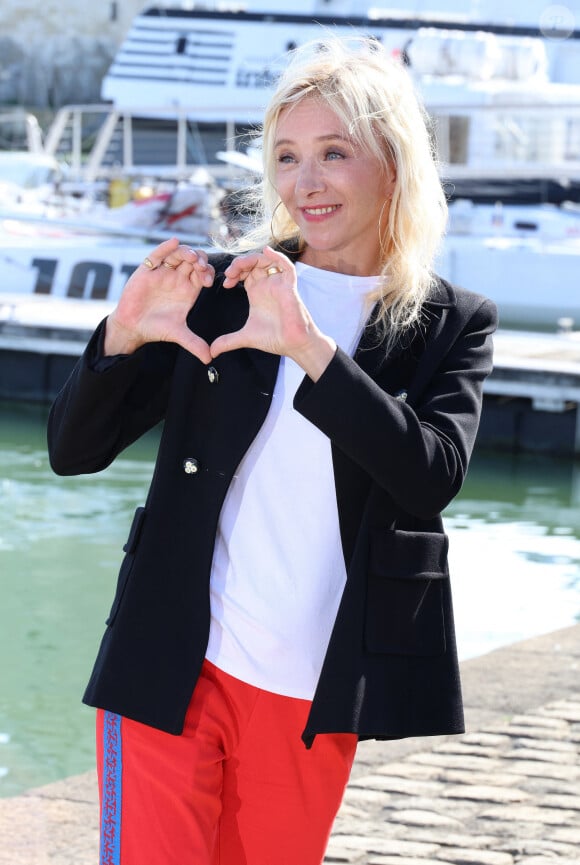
(202, 275)
(276, 259)
(233, 279)
(202, 264)
(241, 274)
(160, 253)
(193, 344)
(227, 342)
(201, 256)
(267, 263)
(184, 255)
(276, 256)
(240, 268)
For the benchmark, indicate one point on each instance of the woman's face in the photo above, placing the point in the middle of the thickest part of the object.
(335, 192)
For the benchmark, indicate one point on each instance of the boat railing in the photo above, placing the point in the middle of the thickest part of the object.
(20, 130)
(100, 141)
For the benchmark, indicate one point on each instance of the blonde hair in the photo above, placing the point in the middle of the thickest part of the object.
(373, 95)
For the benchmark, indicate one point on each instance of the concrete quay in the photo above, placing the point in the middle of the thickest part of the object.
(507, 792)
(532, 397)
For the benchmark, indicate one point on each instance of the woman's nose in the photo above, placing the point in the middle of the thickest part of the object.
(310, 177)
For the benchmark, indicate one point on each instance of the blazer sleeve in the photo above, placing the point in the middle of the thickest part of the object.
(418, 451)
(103, 408)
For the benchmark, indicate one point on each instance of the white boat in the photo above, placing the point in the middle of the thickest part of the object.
(222, 58)
(58, 258)
(502, 86)
(187, 79)
(533, 282)
(525, 257)
(38, 185)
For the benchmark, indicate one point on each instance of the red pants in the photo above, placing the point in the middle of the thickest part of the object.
(238, 787)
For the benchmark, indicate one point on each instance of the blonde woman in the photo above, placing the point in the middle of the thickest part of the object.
(285, 588)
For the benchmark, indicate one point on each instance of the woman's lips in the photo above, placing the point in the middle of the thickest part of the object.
(319, 212)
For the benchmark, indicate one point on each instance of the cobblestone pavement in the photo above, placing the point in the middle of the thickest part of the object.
(508, 794)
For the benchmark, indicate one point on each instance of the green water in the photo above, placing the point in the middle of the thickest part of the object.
(515, 556)
(60, 544)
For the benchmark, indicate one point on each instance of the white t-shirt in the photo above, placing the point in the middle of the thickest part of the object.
(278, 571)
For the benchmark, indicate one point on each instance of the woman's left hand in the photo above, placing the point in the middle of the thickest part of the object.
(278, 321)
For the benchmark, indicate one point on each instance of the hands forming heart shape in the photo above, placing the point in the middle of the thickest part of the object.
(160, 294)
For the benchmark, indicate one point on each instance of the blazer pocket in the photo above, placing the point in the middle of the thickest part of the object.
(404, 607)
(127, 563)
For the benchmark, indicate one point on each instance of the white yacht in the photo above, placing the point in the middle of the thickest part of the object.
(500, 81)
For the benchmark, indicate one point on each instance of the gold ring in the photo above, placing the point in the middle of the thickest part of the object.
(170, 266)
(273, 270)
(148, 263)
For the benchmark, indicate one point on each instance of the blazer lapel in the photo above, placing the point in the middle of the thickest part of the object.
(406, 367)
(437, 339)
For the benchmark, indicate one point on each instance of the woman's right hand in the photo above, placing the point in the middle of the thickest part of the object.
(157, 299)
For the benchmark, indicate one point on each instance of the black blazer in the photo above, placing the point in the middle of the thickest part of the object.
(402, 429)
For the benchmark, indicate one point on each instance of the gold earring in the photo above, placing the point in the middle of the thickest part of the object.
(384, 251)
(272, 233)
(278, 243)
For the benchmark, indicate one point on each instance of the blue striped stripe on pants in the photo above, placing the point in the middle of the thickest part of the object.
(110, 852)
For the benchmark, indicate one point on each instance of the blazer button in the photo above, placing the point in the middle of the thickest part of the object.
(190, 466)
(213, 375)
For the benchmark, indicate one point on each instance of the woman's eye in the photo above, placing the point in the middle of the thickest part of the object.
(285, 157)
(334, 154)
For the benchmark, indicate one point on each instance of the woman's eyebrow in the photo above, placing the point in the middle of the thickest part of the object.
(334, 136)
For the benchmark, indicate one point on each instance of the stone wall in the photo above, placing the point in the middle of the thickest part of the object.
(55, 52)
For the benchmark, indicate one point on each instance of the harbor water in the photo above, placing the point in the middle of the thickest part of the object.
(515, 559)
